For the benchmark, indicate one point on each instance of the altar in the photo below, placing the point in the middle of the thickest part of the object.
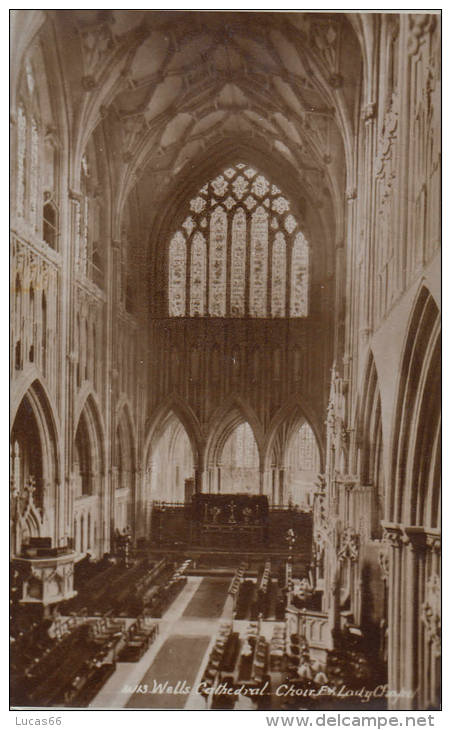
(230, 520)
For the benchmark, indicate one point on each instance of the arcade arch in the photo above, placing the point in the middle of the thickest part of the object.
(88, 474)
(171, 464)
(293, 459)
(34, 469)
(238, 464)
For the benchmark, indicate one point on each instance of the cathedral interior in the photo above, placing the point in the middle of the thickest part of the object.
(225, 359)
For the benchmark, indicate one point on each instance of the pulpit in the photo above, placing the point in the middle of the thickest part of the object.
(47, 573)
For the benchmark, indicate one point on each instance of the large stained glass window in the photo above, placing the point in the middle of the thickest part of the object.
(238, 252)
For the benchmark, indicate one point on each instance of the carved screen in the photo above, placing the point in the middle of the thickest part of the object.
(233, 250)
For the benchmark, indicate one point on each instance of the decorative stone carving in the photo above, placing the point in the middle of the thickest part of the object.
(434, 543)
(368, 111)
(393, 536)
(349, 545)
(384, 561)
(325, 39)
(431, 612)
(47, 580)
(419, 26)
(96, 41)
(133, 129)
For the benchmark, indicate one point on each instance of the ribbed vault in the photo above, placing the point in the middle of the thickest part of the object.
(172, 85)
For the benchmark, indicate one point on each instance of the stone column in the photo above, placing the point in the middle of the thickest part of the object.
(198, 479)
(218, 479)
(413, 550)
(281, 494)
(393, 536)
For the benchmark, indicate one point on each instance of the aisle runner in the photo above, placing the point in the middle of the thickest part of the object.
(177, 661)
(208, 601)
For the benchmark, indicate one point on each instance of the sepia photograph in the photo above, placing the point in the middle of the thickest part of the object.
(225, 360)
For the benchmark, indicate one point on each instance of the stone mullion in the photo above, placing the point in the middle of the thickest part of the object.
(207, 272)
(188, 274)
(269, 270)
(289, 257)
(228, 278)
(247, 282)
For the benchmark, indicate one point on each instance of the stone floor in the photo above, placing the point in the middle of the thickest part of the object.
(182, 647)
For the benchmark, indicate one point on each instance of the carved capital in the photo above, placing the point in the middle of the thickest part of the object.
(434, 543)
(415, 538)
(393, 535)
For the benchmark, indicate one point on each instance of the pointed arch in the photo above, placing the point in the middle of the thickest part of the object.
(35, 463)
(369, 453)
(369, 423)
(224, 420)
(416, 450)
(175, 406)
(89, 451)
(125, 447)
(171, 461)
(285, 422)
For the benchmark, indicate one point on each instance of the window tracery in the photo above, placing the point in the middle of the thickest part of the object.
(37, 158)
(238, 228)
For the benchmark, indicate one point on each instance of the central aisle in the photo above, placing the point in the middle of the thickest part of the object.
(208, 601)
(175, 666)
(178, 654)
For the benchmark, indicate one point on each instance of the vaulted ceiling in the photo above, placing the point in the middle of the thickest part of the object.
(173, 86)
